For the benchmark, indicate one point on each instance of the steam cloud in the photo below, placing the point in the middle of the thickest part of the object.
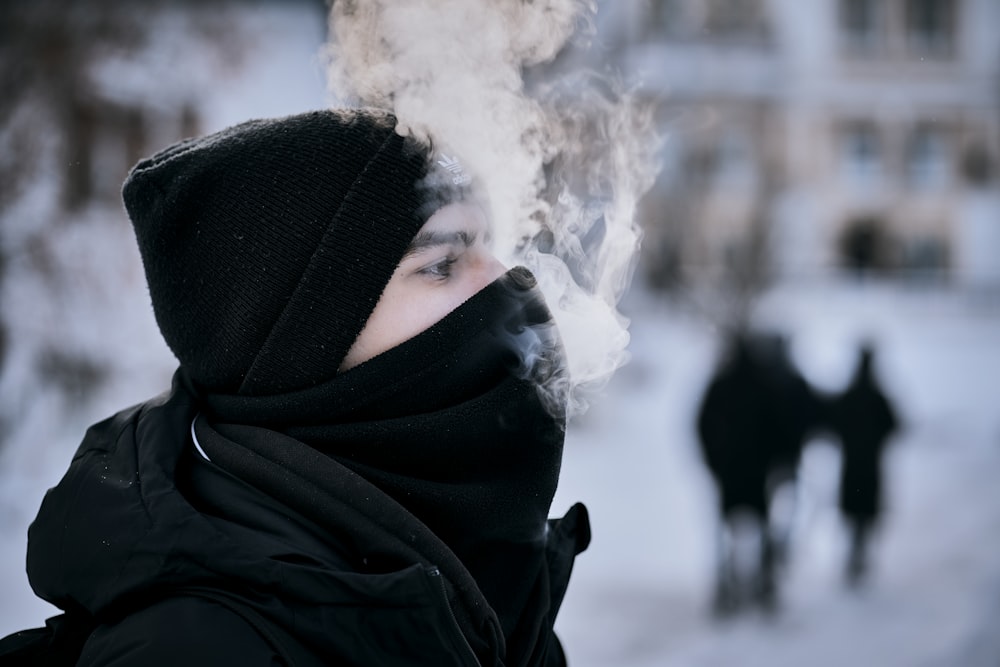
(563, 166)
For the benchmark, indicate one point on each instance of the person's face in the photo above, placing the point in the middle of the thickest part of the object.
(447, 262)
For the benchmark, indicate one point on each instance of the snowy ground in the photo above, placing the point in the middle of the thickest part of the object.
(639, 594)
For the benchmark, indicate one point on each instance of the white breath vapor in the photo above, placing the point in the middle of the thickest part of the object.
(562, 167)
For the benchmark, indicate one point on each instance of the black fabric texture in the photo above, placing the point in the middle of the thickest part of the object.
(862, 418)
(451, 427)
(267, 245)
(185, 618)
(58, 644)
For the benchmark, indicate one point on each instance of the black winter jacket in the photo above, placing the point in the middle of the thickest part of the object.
(159, 557)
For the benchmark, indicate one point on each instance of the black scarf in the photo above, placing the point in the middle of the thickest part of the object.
(451, 426)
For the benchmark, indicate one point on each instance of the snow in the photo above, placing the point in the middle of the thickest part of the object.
(639, 594)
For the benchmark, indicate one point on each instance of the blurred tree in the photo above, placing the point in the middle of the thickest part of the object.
(57, 126)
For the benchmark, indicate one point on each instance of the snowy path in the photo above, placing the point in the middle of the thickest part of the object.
(640, 593)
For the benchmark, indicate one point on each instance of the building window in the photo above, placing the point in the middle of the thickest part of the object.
(861, 154)
(671, 160)
(927, 157)
(699, 166)
(734, 166)
(736, 19)
(930, 27)
(977, 165)
(862, 26)
(926, 258)
(864, 245)
(665, 18)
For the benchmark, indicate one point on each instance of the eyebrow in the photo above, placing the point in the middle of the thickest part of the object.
(424, 240)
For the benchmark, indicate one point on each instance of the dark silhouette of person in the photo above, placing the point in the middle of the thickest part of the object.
(732, 421)
(863, 418)
(797, 412)
(754, 419)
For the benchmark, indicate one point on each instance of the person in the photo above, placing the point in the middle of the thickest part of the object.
(755, 417)
(863, 418)
(733, 422)
(354, 464)
(798, 409)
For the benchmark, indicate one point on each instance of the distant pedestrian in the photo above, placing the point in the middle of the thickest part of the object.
(863, 418)
(757, 413)
(797, 410)
(795, 400)
(733, 421)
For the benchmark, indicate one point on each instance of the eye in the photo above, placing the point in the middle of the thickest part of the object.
(439, 270)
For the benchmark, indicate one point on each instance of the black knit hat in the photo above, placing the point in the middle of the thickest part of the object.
(267, 245)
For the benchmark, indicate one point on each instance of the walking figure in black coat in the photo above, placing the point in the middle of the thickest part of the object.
(797, 416)
(754, 419)
(732, 422)
(863, 418)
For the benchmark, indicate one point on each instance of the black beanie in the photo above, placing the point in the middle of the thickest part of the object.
(267, 245)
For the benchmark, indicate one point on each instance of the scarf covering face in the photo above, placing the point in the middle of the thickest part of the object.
(450, 425)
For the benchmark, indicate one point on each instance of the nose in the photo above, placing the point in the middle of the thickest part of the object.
(491, 268)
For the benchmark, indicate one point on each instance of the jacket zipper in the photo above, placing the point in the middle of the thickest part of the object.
(435, 573)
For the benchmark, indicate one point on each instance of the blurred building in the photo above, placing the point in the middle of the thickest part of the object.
(812, 137)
